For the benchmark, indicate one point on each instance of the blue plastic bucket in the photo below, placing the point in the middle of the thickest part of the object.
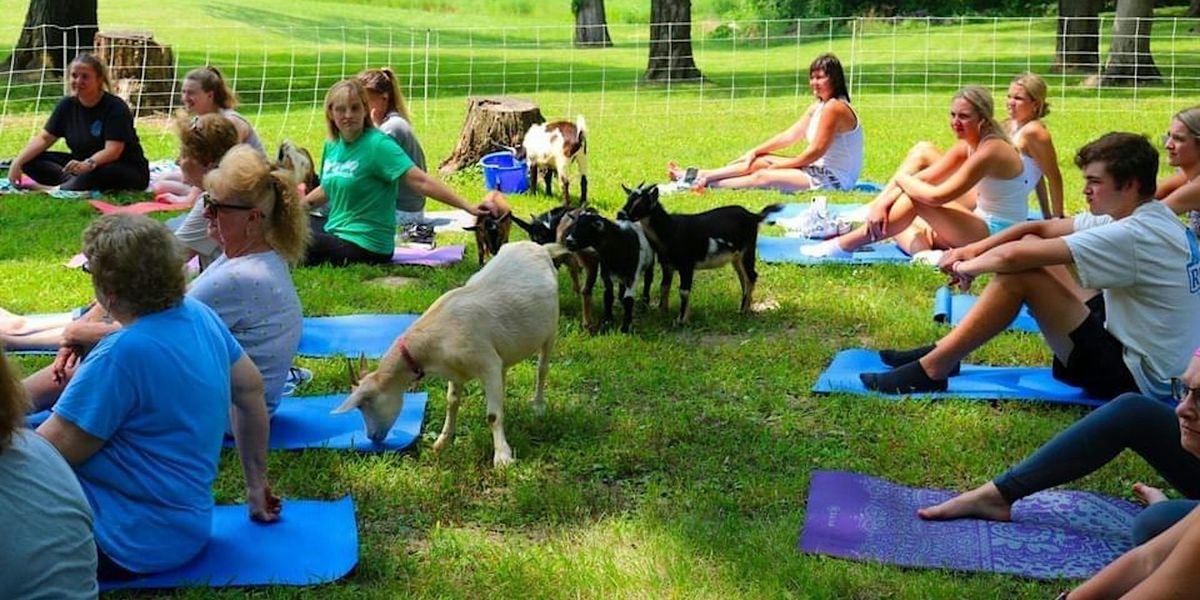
(502, 171)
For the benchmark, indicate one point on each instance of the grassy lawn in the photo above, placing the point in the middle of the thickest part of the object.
(675, 461)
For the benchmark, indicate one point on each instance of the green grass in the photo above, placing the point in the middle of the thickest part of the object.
(675, 461)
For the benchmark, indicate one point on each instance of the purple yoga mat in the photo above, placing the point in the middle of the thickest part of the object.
(437, 257)
(1055, 534)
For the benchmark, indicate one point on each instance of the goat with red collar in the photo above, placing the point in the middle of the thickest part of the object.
(707, 240)
(504, 313)
(559, 144)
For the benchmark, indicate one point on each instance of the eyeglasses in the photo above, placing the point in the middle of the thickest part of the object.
(1182, 392)
(214, 208)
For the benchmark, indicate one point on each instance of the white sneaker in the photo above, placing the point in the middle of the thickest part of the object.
(928, 257)
(826, 249)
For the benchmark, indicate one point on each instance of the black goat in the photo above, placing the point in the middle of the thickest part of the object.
(624, 252)
(702, 241)
(549, 228)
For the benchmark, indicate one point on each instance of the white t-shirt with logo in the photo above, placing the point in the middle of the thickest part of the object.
(1148, 267)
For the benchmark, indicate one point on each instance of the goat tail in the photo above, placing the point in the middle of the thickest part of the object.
(580, 124)
(767, 210)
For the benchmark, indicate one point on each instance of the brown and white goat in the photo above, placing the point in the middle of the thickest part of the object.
(548, 229)
(506, 312)
(299, 162)
(491, 231)
(559, 143)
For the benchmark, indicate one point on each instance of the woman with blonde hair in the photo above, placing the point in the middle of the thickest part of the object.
(1027, 106)
(360, 170)
(1181, 190)
(389, 113)
(203, 142)
(47, 550)
(105, 153)
(206, 93)
(977, 188)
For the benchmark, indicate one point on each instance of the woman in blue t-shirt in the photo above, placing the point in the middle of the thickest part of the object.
(105, 153)
(360, 172)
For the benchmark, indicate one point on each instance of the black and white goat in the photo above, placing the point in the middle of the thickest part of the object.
(624, 252)
(707, 240)
(549, 228)
(559, 144)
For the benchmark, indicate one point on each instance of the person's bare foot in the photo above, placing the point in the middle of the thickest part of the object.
(983, 502)
(674, 171)
(1148, 494)
(11, 323)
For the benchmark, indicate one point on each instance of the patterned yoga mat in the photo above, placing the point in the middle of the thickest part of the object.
(1055, 534)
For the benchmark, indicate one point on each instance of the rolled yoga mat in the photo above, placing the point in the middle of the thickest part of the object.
(1054, 534)
(787, 250)
(950, 308)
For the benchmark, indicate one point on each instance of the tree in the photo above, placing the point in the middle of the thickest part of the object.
(1129, 58)
(55, 31)
(671, 42)
(1193, 10)
(1077, 46)
(591, 26)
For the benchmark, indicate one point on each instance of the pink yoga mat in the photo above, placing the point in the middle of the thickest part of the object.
(437, 257)
(138, 208)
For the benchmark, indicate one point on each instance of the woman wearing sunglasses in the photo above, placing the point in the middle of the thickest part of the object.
(1164, 567)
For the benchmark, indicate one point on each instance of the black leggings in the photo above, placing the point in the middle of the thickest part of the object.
(328, 249)
(47, 169)
(1131, 421)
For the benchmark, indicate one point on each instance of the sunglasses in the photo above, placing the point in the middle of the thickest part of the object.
(214, 208)
(1182, 392)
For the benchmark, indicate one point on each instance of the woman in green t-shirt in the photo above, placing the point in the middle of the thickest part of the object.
(360, 170)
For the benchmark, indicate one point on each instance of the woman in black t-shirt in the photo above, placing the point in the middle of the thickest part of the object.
(104, 150)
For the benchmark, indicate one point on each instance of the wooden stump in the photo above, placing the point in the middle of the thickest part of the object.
(490, 123)
(142, 70)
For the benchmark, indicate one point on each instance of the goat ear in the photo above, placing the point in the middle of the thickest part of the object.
(520, 223)
(508, 215)
(347, 405)
(351, 375)
(652, 192)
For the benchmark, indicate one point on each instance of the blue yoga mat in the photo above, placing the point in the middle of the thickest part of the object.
(950, 308)
(1052, 535)
(975, 382)
(867, 187)
(351, 335)
(313, 542)
(304, 422)
(787, 250)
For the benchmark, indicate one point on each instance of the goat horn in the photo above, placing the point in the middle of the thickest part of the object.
(350, 374)
(362, 364)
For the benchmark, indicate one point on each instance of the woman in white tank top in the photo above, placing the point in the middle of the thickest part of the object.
(1181, 190)
(938, 201)
(1026, 107)
(832, 160)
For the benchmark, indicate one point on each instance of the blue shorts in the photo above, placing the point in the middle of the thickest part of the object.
(995, 225)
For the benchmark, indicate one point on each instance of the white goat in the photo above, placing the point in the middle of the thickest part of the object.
(558, 143)
(505, 313)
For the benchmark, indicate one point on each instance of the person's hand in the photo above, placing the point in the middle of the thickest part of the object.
(959, 279)
(264, 505)
(65, 363)
(15, 174)
(79, 167)
(955, 255)
(73, 334)
(491, 204)
(877, 216)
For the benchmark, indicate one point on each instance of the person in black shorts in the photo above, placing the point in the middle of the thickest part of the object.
(105, 153)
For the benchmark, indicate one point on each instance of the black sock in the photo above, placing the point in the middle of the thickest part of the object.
(899, 358)
(910, 378)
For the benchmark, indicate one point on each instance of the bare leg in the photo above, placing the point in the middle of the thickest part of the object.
(41, 340)
(1054, 306)
(952, 225)
(1149, 494)
(784, 180)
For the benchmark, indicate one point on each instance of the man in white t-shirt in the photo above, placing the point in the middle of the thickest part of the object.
(1131, 248)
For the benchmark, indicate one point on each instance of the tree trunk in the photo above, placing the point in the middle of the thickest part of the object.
(1077, 45)
(1193, 10)
(591, 26)
(55, 31)
(1129, 59)
(671, 42)
(141, 69)
(491, 123)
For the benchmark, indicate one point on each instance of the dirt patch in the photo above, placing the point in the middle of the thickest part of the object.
(393, 281)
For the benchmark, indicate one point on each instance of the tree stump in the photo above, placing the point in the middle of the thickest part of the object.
(491, 123)
(141, 69)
